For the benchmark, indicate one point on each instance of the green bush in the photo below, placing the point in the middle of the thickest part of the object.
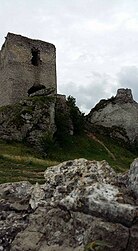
(68, 119)
(62, 120)
(47, 142)
(77, 117)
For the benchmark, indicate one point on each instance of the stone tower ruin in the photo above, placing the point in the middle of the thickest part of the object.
(26, 66)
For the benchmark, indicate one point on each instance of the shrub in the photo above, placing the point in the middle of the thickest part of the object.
(77, 117)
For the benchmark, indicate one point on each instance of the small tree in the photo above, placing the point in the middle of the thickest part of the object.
(77, 117)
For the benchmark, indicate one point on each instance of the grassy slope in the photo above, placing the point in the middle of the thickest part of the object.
(19, 162)
(86, 147)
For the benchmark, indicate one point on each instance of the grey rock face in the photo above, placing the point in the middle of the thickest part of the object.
(124, 96)
(81, 201)
(28, 120)
(14, 211)
(119, 114)
(133, 177)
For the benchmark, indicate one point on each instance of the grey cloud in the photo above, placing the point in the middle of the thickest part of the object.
(128, 77)
(87, 95)
(101, 86)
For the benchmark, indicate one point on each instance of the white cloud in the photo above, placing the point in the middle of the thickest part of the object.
(93, 25)
(95, 40)
(95, 88)
(132, 24)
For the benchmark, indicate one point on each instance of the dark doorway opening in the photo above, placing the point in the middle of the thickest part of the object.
(35, 88)
(35, 56)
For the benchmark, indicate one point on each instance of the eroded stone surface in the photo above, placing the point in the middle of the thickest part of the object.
(133, 177)
(29, 120)
(67, 231)
(14, 211)
(118, 116)
(81, 201)
(87, 186)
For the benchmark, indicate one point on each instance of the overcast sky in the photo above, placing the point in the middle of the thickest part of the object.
(96, 41)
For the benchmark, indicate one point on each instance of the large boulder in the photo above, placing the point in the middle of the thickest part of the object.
(118, 116)
(82, 204)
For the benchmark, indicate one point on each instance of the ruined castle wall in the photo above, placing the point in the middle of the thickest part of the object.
(18, 74)
(5, 88)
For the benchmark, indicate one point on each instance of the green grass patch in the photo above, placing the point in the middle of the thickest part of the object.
(123, 156)
(83, 146)
(19, 162)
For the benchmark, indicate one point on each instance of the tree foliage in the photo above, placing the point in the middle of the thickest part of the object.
(77, 117)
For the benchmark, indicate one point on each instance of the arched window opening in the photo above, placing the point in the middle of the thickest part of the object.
(35, 56)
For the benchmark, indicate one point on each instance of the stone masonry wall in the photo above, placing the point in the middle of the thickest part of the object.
(18, 70)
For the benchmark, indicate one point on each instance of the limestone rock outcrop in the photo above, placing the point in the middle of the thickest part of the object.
(118, 116)
(36, 119)
(28, 120)
(82, 202)
(133, 177)
(14, 211)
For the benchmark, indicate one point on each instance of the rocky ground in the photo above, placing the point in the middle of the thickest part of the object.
(81, 203)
